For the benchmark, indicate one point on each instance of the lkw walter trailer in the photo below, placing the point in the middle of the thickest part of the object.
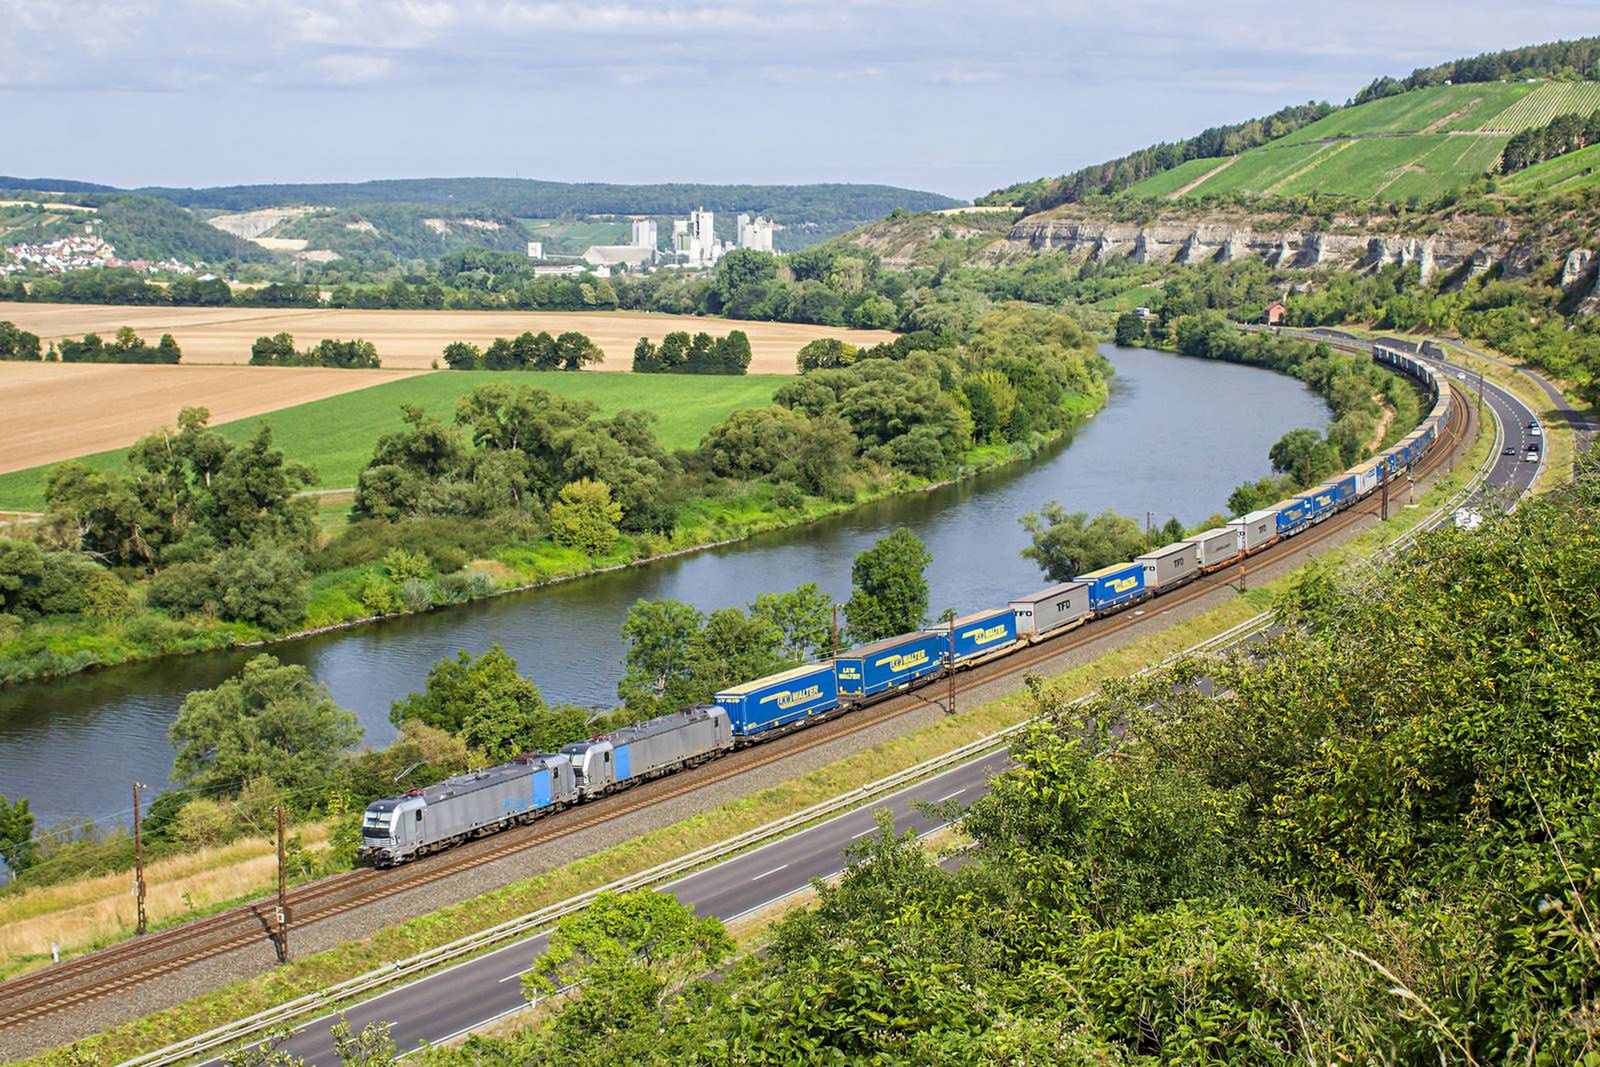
(780, 700)
(889, 664)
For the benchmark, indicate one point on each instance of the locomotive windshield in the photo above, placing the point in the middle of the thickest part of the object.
(377, 824)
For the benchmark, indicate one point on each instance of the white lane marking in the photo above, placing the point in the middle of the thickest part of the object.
(775, 870)
(864, 833)
(426, 1045)
(790, 838)
(947, 796)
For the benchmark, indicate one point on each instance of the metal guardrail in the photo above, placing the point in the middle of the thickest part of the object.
(535, 921)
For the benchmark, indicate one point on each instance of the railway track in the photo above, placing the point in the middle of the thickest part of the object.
(111, 970)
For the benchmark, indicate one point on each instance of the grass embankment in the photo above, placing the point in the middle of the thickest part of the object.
(90, 913)
(689, 405)
(336, 435)
(408, 938)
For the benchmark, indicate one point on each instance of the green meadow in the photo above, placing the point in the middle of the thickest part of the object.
(336, 435)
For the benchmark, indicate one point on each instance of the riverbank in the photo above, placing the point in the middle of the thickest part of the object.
(337, 599)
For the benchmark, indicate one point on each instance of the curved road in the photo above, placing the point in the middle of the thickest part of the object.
(451, 1002)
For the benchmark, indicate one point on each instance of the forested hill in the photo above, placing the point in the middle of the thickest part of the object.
(54, 185)
(1287, 150)
(528, 198)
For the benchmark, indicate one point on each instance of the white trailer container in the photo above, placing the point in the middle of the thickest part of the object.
(1170, 565)
(1368, 476)
(1051, 610)
(1256, 530)
(1218, 547)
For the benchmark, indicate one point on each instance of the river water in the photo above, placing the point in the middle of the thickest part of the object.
(1176, 437)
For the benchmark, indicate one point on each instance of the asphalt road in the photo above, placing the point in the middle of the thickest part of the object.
(455, 1000)
(1511, 475)
(451, 1002)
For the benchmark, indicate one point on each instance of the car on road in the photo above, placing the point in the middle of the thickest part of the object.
(1461, 375)
(1510, 450)
(1534, 431)
(1531, 455)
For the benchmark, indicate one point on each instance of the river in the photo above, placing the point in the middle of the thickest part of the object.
(1175, 438)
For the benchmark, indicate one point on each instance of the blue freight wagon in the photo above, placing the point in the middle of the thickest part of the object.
(889, 664)
(1320, 502)
(1114, 586)
(780, 699)
(979, 634)
(1293, 515)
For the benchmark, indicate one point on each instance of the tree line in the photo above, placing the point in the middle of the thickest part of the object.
(1115, 175)
(679, 353)
(1562, 134)
(125, 347)
(1577, 58)
(527, 351)
(278, 350)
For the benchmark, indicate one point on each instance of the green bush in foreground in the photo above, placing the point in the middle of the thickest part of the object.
(1379, 844)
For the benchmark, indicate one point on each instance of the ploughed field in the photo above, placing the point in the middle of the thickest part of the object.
(412, 339)
(57, 411)
(335, 434)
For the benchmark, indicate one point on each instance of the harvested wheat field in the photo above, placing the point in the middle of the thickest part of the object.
(412, 339)
(55, 411)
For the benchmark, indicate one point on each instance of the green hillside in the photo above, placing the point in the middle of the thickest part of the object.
(1575, 170)
(1420, 143)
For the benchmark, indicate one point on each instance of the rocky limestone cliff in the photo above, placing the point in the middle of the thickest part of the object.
(1204, 242)
(1460, 249)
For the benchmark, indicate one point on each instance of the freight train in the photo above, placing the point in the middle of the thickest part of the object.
(528, 787)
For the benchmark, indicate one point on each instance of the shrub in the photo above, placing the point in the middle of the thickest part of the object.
(106, 596)
(263, 584)
(458, 588)
(203, 822)
(400, 565)
(585, 517)
(378, 595)
(789, 496)
(184, 589)
(447, 541)
(417, 594)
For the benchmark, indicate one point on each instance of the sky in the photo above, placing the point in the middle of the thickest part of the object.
(954, 97)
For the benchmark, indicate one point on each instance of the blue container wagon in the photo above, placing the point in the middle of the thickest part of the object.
(891, 663)
(1115, 586)
(980, 634)
(780, 700)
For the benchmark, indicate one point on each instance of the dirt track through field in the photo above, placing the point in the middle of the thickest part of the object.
(54, 411)
(411, 339)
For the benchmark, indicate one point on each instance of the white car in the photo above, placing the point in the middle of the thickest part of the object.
(1461, 375)
(1534, 431)
(1468, 518)
(1531, 456)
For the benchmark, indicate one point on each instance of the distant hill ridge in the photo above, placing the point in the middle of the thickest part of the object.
(532, 198)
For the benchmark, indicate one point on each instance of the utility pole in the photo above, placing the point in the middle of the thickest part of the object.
(950, 700)
(138, 867)
(283, 902)
(836, 631)
(1386, 500)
